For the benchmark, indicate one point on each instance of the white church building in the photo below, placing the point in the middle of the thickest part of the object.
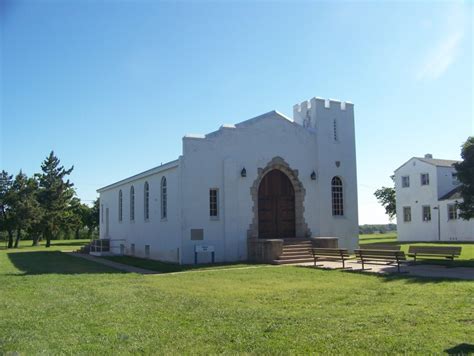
(239, 192)
(427, 193)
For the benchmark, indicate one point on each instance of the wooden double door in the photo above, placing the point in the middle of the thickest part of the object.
(276, 206)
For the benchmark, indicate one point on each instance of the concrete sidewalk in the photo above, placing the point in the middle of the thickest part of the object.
(419, 270)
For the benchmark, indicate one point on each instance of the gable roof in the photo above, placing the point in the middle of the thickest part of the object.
(433, 161)
(453, 194)
(438, 162)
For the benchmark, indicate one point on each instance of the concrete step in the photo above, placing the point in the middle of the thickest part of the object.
(305, 242)
(294, 257)
(296, 248)
(296, 253)
(291, 261)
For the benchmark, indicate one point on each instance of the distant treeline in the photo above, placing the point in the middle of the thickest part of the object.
(377, 229)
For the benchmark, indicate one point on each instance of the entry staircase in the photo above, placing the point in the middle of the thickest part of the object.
(295, 250)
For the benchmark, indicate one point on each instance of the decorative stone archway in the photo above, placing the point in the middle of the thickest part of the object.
(301, 228)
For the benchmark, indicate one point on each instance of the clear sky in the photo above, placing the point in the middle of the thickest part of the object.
(112, 86)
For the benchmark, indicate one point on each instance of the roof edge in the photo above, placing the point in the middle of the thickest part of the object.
(149, 172)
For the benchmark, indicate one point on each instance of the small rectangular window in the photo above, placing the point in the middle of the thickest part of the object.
(452, 212)
(425, 179)
(214, 203)
(454, 178)
(405, 181)
(132, 249)
(426, 213)
(406, 214)
(197, 234)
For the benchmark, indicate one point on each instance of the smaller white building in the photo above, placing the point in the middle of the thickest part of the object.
(427, 193)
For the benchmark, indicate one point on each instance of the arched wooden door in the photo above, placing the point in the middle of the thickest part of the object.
(276, 206)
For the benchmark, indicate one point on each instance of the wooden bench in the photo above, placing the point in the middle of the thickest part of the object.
(449, 252)
(380, 247)
(367, 256)
(330, 254)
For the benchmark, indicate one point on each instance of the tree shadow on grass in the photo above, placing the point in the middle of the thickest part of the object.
(393, 275)
(54, 262)
(461, 349)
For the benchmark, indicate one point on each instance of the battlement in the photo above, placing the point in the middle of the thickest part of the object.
(317, 101)
(305, 113)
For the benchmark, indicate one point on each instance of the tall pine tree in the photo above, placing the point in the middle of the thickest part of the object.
(6, 213)
(55, 196)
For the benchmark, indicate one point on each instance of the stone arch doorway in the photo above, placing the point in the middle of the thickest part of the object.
(276, 206)
(300, 226)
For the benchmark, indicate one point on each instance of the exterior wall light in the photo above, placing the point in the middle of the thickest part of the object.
(313, 175)
(243, 173)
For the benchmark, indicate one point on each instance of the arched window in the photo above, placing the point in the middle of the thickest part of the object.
(337, 197)
(146, 200)
(120, 205)
(164, 208)
(132, 203)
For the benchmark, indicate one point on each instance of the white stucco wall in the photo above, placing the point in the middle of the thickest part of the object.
(415, 196)
(454, 230)
(163, 235)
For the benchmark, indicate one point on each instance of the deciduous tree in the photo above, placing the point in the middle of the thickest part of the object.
(465, 173)
(386, 197)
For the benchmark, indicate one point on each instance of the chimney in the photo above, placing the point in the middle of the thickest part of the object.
(429, 156)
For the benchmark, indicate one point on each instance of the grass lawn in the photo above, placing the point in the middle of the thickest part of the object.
(77, 306)
(465, 260)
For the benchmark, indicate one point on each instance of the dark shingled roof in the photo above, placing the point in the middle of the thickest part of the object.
(453, 194)
(438, 162)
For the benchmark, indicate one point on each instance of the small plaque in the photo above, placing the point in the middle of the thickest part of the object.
(204, 248)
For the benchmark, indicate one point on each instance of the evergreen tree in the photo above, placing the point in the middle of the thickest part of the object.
(24, 204)
(6, 214)
(55, 196)
(465, 172)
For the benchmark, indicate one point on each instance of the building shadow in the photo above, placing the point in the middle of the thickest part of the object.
(54, 262)
(461, 349)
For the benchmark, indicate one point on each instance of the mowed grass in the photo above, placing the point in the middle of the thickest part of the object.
(85, 308)
(466, 259)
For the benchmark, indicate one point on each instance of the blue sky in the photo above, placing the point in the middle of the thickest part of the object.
(112, 87)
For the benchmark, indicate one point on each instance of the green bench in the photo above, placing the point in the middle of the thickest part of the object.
(448, 252)
(330, 254)
(372, 256)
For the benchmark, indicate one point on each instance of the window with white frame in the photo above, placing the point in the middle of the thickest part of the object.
(213, 203)
(405, 181)
(452, 212)
(132, 203)
(164, 198)
(406, 214)
(454, 178)
(337, 197)
(120, 205)
(146, 201)
(425, 179)
(426, 212)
